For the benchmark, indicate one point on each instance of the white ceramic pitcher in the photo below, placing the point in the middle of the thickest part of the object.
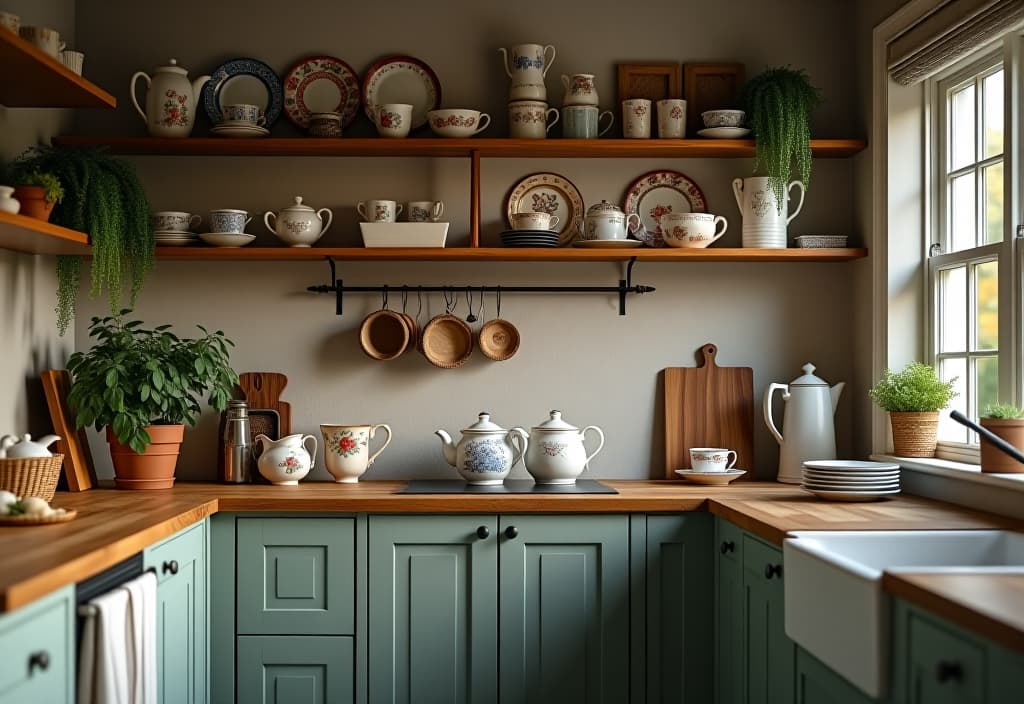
(171, 100)
(527, 66)
(764, 225)
(284, 462)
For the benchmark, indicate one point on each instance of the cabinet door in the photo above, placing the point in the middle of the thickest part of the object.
(564, 614)
(296, 670)
(180, 564)
(730, 622)
(817, 684)
(432, 601)
(944, 666)
(770, 654)
(37, 646)
(680, 621)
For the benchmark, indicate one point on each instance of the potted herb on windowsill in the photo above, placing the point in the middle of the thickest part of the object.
(1007, 422)
(38, 192)
(142, 385)
(913, 397)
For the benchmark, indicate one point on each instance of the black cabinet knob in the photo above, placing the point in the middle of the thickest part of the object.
(483, 533)
(511, 532)
(771, 570)
(170, 566)
(39, 660)
(727, 547)
(947, 671)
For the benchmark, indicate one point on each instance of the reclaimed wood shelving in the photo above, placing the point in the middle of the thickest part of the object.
(31, 78)
(19, 233)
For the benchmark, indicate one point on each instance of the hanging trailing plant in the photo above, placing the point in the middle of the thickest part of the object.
(779, 103)
(104, 197)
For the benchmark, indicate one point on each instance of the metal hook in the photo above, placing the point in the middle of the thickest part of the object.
(384, 298)
(449, 301)
(480, 308)
(405, 298)
(499, 301)
(419, 301)
(469, 304)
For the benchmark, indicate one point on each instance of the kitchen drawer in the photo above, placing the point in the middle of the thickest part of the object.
(170, 555)
(296, 669)
(945, 666)
(296, 576)
(36, 643)
(758, 555)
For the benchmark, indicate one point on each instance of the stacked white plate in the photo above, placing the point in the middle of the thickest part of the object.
(173, 238)
(851, 480)
(529, 238)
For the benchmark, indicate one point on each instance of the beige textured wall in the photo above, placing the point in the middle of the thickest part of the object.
(577, 354)
(29, 341)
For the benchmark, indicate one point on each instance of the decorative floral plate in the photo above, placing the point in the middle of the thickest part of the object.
(243, 81)
(659, 192)
(551, 194)
(321, 84)
(402, 79)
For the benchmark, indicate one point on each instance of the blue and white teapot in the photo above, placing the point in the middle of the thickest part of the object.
(486, 453)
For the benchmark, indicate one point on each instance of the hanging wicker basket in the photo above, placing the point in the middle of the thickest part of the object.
(914, 434)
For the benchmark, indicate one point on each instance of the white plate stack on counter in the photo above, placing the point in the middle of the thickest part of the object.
(851, 480)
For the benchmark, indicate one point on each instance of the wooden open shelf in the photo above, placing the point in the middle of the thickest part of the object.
(31, 78)
(502, 254)
(437, 147)
(31, 236)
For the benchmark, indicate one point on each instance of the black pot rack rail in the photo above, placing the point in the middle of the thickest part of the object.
(339, 289)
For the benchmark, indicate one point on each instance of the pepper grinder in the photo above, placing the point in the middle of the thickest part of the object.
(236, 457)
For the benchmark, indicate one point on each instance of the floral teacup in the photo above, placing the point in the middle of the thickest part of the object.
(346, 450)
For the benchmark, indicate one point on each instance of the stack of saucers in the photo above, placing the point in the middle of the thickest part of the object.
(851, 480)
(173, 238)
(529, 238)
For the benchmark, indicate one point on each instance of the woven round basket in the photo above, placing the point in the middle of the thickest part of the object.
(384, 335)
(498, 340)
(31, 476)
(447, 341)
(914, 434)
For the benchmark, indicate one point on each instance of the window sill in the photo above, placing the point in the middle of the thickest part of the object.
(959, 471)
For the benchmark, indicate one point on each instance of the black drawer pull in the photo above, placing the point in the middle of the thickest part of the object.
(727, 547)
(170, 566)
(39, 660)
(949, 672)
(511, 532)
(483, 533)
(771, 570)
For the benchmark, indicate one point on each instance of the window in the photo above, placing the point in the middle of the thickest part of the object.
(971, 268)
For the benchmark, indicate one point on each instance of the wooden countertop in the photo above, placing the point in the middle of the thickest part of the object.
(113, 525)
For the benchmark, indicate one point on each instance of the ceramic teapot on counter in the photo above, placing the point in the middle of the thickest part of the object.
(556, 454)
(298, 225)
(285, 461)
(606, 221)
(171, 100)
(12, 447)
(808, 430)
(486, 453)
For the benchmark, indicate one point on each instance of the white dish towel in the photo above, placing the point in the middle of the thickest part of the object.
(117, 662)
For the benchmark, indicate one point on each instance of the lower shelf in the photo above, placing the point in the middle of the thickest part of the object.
(19, 233)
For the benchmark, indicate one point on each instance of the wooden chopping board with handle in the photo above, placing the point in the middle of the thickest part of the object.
(708, 406)
(263, 390)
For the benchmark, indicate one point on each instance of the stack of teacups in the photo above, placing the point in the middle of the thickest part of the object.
(529, 116)
(580, 114)
(173, 228)
(241, 118)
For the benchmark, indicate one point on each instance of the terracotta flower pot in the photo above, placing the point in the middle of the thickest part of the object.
(153, 469)
(914, 434)
(33, 202)
(992, 460)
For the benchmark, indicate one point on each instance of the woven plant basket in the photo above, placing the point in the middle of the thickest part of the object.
(914, 434)
(31, 476)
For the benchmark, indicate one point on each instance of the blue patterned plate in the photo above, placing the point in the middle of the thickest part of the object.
(228, 85)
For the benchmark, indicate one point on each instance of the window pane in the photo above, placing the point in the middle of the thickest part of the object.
(986, 301)
(992, 88)
(949, 429)
(986, 381)
(953, 309)
(963, 220)
(962, 130)
(994, 203)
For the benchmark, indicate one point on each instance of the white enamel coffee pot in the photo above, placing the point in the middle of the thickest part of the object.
(171, 100)
(764, 221)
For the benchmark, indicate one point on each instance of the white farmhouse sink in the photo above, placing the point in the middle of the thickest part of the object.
(835, 608)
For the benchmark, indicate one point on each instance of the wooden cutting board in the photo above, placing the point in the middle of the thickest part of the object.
(708, 406)
(73, 443)
(263, 390)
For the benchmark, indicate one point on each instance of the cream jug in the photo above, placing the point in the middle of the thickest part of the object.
(486, 453)
(284, 462)
(170, 100)
(808, 430)
(579, 89)
(556, 454)
(764, 224)
(527, 66)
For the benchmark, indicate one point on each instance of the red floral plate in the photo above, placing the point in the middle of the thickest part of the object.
(402, 79)
(551, 194)
(659, 192)
(321, 84)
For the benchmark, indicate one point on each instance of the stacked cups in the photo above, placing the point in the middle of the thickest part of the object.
(580, 115)
(529, 116)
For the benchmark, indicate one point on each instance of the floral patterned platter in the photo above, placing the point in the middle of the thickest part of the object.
(321, 84)
(402, 79)
(552, 194)
(243, 81)
(659, 192)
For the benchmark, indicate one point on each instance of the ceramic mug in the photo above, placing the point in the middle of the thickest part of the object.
(691, 230)
(347, 450)
(324, 124)
(584, 122)
(174, 221)
(393, 119)
(530, 119)
(636, 118)
(243, 112)
(711, 459)
(425, 210)
(43, 37)
(72, 60)
(228, 220)
(671, 118)
(10, 21)
(379, 210)
(533, 221)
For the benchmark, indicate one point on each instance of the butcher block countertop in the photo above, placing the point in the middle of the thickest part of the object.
(113, 525)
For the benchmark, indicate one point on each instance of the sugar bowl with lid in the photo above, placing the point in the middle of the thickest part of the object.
(298, 225)
(555, 454)
(606, 221)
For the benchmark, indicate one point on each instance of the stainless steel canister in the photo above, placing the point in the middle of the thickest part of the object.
(237, 460)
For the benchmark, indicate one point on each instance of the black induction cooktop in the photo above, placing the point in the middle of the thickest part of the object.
(511, 486)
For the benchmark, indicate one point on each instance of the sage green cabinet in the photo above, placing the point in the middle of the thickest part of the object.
(730, 622)
(37, 653)
(770, 654)
(816, 683)
(296, 670)
(180, 564)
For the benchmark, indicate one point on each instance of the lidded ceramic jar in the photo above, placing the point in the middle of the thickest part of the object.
(556, 454)
(606, 221)
(486, 453)
(298, 225)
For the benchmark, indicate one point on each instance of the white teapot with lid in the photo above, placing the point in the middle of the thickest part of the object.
(298, 225)
(171, 100)
(606, 221)
(556, 454)
(12, 447)
(485, 454)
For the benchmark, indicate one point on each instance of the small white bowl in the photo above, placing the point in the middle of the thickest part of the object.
(458, 123)
(723, 118)
(226, 239)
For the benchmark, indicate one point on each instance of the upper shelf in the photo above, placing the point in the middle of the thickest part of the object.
(439, 147)
(19, 233)
(31, 78)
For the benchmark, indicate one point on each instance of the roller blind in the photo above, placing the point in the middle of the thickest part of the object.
(953, 30)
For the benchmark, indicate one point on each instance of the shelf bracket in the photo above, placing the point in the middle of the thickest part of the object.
(626, 284)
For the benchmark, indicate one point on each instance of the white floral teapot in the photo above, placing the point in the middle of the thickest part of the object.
(485, 454)
(556, 454)
(298, 225)
(12, 447)
(285, 461)
(171, 100)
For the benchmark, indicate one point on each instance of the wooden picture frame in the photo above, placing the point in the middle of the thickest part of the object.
(710, 87)
(73, 444)
(653, 81)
